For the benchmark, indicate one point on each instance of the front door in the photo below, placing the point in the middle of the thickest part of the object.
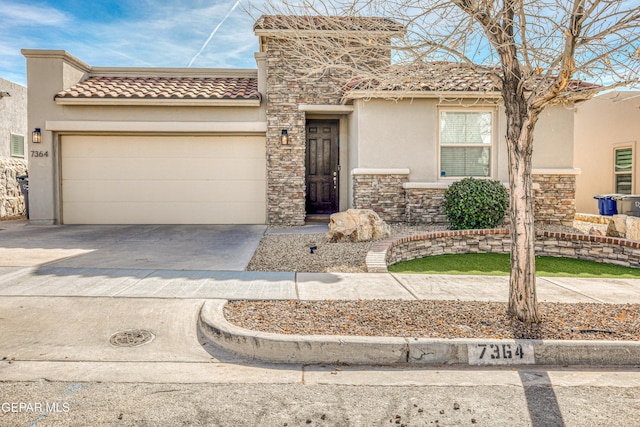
(322, 166)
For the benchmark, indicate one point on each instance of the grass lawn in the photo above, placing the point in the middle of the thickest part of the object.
(498, 265)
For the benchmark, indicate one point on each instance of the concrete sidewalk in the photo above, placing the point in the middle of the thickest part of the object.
(205, 293)
(206, 284)
(171, 278)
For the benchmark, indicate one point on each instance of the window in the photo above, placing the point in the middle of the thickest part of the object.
(17, 145)
(466, 139)
(623, 170)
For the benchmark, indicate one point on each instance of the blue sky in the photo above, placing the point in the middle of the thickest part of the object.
(127, 33)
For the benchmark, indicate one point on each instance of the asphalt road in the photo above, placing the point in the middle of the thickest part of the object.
(247, 404)
(58, 368)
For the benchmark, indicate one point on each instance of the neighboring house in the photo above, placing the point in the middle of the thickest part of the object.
(606, 137)
(13, 147)
(132, 145)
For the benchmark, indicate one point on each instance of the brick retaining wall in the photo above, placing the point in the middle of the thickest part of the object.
(580, 246)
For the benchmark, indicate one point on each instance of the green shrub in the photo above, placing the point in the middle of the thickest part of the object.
(475, 203)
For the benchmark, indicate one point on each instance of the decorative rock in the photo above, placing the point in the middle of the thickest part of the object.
(357, 225)
(617, 226)
(595, 232)
(632, 224)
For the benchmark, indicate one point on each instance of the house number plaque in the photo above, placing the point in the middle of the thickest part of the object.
(499, 353)
(35, 153)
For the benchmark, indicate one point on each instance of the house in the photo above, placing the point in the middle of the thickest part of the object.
(269, 146)
(607, 130)
(13, 150)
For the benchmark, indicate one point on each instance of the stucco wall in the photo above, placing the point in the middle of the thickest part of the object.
(13, 115)
(49, 72)
(404, 134)
(600, 124)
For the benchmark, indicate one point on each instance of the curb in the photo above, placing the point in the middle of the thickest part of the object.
(356, 350)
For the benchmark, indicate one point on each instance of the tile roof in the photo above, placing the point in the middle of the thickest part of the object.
(432, 76)
(443, 76)
(189, 88)
(326, 23)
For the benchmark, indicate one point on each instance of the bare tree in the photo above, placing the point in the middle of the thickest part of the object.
(535, 53)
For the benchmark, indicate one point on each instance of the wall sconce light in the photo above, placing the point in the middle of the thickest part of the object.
(4, 94)
(284, 138)
(36, 136)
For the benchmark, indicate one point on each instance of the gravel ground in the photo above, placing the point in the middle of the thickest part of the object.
(436, 319)
(290, 252)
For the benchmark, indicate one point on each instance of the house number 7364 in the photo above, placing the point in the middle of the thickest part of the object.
(501, 351)
(39, 153)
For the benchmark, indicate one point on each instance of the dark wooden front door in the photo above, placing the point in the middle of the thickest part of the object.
(322, 166)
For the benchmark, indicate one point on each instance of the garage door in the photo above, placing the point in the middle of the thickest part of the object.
(163, 180)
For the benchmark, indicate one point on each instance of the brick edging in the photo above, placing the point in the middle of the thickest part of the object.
(376, 260)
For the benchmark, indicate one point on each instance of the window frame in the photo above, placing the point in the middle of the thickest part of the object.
(492, 147)
(11, 152)
(623, 146)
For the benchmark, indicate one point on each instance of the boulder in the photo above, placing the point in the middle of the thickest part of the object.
(632, 225)
(595, 232)
(356, 225)
(617, 226)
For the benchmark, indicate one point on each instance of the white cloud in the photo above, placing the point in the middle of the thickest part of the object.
(158, 34)
(170, 36)
(17, 14)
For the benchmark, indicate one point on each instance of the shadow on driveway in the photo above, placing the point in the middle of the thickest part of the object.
(140, 247)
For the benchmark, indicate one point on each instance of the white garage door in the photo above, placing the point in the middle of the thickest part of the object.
(163, 180)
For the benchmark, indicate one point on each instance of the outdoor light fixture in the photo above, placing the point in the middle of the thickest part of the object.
(284, 139)
(4, 94)
(36, 136)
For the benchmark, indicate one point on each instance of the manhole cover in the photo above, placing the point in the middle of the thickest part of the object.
(131, 338)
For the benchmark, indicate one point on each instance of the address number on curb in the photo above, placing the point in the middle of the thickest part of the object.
(498, 353)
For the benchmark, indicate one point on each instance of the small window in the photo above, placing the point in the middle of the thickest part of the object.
(17, 145)
(466, 139)
(623, 170)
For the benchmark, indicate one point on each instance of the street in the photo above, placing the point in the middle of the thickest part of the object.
(348, 397)
(59, 368)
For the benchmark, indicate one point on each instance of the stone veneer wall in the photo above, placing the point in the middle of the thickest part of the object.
(424, 206)
(287, 87)
(285, 163)
(580, 246)
(382, 193)
(555, 199)
(11, 200)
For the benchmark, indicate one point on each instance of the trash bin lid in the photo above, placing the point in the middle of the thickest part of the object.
(627, 197)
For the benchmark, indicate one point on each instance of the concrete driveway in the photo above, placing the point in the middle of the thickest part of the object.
(151, 247)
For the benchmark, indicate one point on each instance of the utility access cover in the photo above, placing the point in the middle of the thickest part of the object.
(131, 338)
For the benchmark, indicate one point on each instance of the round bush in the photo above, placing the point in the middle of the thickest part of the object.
(475, 203)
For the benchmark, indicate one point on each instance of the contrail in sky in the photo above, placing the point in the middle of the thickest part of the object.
(213, 33)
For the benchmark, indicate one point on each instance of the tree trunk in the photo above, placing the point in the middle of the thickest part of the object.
(523, 302)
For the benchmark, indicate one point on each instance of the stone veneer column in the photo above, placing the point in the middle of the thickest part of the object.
(555, 195)
(11, 199)
(424, 203)
(381, 191)
(286, 176)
